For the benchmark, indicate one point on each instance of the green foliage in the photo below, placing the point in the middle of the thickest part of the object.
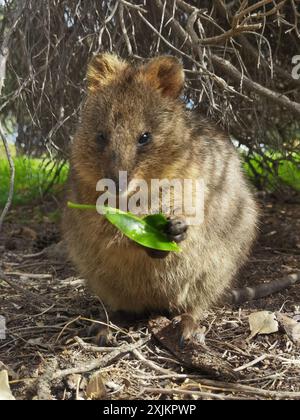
(33, 178)
(272, 171)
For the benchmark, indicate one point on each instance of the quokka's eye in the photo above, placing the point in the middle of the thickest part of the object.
(144, 139)
(101, 138)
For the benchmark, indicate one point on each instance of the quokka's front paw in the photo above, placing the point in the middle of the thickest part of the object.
(176, 230)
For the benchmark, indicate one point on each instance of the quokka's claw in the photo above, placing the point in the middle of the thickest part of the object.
(187, 328)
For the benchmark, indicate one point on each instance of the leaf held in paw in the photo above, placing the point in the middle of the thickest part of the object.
(147, 232)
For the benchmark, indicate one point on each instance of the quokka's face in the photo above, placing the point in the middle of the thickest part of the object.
(131, 120)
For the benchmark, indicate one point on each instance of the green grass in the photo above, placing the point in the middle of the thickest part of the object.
(273, 175)
(33, 176)
(31, 180)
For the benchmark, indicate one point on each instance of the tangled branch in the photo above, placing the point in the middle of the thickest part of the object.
(237, 56)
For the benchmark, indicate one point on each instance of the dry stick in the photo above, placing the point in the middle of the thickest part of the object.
(29, 275)
(150, 364)
(43, 383)
(166, 391)
(100, 362)
(92, 348)
(275, 97)
(297, 15)
(252, 363)
(185, 38)
(242, 12)
(216, 78)
(280, 71)
(234, 31)
(12, 175)
(162, 22)
(36, 255)
(270, 12)
(133, 6)
(4, 53)
(218, 39)
(243, 389)
(229, 34)
(124, 30)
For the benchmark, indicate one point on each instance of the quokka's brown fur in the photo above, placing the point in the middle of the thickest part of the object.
(123, 102)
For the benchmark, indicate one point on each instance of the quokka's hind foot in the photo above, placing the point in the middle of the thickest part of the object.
(102, 334)
(180, 337)
(186, 328)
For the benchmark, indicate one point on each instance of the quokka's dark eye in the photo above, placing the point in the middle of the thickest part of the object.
(145, 139)
(101, 138)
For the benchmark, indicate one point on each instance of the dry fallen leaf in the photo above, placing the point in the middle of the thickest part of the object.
(96, 389)
(291, 327)
(5, 392)
(263, 322)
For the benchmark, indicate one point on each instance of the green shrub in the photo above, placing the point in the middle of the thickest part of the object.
(273, 171)
(33, 178)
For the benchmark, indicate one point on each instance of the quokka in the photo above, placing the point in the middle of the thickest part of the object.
(134, 120)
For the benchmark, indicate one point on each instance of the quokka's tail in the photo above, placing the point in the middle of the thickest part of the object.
(245, 294)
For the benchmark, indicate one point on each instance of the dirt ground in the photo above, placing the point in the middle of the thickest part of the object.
(48, 351)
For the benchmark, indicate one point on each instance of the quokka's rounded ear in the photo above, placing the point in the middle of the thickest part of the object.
(103, 69)
(166, 74)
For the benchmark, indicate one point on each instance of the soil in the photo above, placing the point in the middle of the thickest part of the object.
(49, 353)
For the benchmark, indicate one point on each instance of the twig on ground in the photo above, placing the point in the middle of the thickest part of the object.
(92, 348)
(167, 391)
(246, 390)
(44, 382)
(12, 177)
(36, 255)
(150, 364)
(252, 363)
(29, 275)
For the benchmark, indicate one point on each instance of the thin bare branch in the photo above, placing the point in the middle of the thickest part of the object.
(4, 53)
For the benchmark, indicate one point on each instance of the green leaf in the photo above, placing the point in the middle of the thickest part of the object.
(147, 232)
(157, 221)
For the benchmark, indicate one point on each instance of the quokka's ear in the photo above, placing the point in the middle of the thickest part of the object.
(102, 70)
(166, 74)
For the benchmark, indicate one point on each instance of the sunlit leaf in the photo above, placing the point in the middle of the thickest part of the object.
(147, 232)
(5, 392)
(263, 322)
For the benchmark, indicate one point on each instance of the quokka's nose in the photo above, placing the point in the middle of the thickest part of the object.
(119, 181)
